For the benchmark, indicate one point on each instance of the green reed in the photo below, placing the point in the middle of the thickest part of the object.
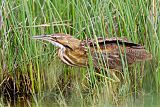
(37, 62)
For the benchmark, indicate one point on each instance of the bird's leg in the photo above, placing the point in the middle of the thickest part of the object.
(112, 73)
(112, 76)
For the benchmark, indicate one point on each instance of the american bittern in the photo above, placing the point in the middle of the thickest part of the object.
(106, 53)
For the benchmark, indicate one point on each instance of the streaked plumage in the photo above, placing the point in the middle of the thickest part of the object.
(107, 53)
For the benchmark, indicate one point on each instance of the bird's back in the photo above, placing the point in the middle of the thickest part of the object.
(111, 52)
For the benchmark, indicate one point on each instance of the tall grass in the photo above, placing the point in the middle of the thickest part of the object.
(34, 67)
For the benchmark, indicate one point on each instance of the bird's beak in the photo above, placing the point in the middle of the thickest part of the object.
(49, 39)
(42, 37)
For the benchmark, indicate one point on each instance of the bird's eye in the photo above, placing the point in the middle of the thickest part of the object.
(54, 38)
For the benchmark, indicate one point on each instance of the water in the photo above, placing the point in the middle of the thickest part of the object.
(143, 101)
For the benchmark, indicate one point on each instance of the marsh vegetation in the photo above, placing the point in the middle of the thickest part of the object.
(32, 74)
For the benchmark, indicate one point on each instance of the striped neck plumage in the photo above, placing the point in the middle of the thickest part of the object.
(57, 44)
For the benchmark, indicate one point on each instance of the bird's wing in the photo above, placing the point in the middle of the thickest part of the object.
(114, 51)
(111, 60)
(113, 40)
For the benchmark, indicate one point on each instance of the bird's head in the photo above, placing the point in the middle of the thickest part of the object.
(60, 40)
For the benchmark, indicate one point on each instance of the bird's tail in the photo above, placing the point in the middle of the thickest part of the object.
(139, 54)
(146, 56)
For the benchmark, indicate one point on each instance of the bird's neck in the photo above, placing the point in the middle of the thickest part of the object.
(73, 57)
(63, 56)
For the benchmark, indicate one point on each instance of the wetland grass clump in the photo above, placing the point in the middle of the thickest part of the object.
(32, 68)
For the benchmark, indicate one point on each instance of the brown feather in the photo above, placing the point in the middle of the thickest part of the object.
(114, 50)
(107, 53)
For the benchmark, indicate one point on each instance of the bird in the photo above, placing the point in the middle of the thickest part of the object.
(109, 53)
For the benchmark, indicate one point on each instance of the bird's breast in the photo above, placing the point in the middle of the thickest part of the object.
(73, 57)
